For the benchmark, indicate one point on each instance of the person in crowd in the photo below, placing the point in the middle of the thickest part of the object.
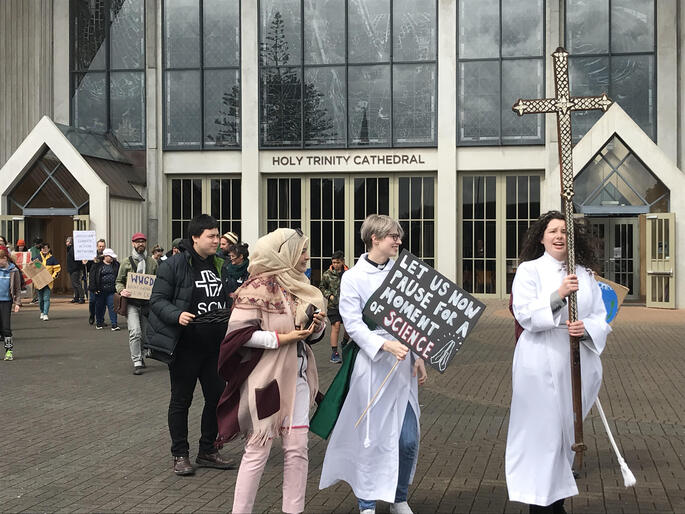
(51, 264)
(175, 247)
(228, 239)
(35, 254)
(75, 270)
(99, 248)
(239, 262)
(191, 284)
(266, 357)
(3, 241)
(377, 458)
(136, 309)
(21, 246)
(539, 457)
(330, 287)
(104, 277)
(158, 253)
(10, 300)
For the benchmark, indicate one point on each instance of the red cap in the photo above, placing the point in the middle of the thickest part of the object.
(138, 235)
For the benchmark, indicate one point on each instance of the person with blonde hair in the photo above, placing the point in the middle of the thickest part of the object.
(378, 457)
(269, 367)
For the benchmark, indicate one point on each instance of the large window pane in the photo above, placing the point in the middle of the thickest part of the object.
(522, 34)
(633, 87)
(127, 107)
(280, 32)
(368, 30)
(222, 107)
(414, 103)
(478, 29)
(522, 78)
(90, 101)
(414, 27)
(586, 26)
(369, 108)
(281, 120)
(127, 34)
(182, 33)
(324, 31)
(324, 106)
(632, 26)
(221, 32)
(90, 31)
(588, 76)
(183, 125)
(479, 101)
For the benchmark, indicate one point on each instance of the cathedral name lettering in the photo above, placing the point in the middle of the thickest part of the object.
(341, 160)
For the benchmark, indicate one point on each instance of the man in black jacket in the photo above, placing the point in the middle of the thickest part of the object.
(75, 270)
(188, 285)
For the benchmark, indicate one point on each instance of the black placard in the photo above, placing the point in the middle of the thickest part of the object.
(424, 310)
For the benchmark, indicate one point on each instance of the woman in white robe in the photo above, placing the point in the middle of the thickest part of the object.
(539, 457)
(377, 458)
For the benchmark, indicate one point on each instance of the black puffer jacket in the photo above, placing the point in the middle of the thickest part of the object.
(172, 294)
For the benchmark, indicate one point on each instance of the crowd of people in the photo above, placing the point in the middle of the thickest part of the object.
(243, 326)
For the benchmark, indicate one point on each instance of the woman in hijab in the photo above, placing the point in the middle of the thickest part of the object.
(269, 367)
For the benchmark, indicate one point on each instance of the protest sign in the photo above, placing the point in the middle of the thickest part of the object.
(613, 295)
(39, 274)
(22, 259)
(424, 310)
(140, 285)
(85, 245)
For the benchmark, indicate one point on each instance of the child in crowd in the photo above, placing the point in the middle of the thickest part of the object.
(330, 287)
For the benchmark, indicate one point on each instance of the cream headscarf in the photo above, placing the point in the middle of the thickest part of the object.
(266, 260)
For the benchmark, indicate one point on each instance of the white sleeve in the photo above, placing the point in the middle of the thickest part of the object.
(350, 307)
(533, 314)
(263, 339)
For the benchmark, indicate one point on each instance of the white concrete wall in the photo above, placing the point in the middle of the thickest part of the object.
(126, 219)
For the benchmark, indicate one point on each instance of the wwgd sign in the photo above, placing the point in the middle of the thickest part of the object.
(424, 310)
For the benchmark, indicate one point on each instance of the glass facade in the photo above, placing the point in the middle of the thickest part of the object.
(108, 68)
(355, 73)
(613, 50)
(201, 54)
(500, 52)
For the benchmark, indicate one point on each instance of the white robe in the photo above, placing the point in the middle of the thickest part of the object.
(367, 457)
(539, 455)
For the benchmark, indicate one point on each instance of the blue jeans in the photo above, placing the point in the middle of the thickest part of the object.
(103, 300)
(44, 299)
(409, 445)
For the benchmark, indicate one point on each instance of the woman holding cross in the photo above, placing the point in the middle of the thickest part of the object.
(377, 457)
(539, 454)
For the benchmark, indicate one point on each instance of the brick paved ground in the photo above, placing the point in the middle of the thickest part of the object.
(80, 433)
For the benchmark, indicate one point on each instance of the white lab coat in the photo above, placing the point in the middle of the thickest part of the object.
(539, 455)
(367, 457)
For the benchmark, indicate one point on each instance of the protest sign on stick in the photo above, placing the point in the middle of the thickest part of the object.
(85, 245)
(140, 285)
(424, 310)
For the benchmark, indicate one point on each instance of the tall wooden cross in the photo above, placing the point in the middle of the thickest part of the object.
(563, 104)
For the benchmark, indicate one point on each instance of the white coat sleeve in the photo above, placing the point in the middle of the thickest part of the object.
(350, 307)
(263, 339)
(532, 311)
(596, 325)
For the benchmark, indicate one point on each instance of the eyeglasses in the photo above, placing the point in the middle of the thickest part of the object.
(395, 237)
(299, 233)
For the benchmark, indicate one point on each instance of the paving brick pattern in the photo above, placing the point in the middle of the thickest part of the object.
(80, 433)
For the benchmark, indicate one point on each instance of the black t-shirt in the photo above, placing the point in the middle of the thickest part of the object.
(208, 295)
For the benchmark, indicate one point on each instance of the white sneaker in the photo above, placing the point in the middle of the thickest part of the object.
(45, 317)
(368, 511)
(400, 508)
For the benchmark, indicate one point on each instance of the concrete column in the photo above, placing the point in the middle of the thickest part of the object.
(446, 213)
(551, 185)
(249, 81)
(60, 59)
(667, 77)
(155, 206)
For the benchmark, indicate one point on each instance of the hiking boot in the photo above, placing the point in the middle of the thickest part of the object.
(335, 358)
(214, 460)
(183, 467)
(9, 356)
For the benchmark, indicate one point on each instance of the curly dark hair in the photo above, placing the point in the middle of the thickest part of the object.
(239, 249)
(585, 245)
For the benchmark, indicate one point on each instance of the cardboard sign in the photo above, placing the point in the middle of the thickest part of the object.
(140, 285)
(85, 245)
(22, 259)
(613, 295)
(39, 274)
(424, 310)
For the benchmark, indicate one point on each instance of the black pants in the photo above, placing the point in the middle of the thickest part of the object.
(556, 508)
(76, 284)
(194, 360)
(5, 314)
